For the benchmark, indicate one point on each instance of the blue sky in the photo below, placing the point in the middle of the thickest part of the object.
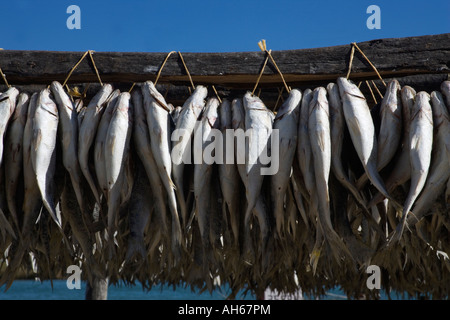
(212, 26)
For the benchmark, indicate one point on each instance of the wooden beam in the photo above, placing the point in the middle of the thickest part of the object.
(394, 57)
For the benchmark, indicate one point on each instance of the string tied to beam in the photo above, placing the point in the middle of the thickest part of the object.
(352, 53)
(262, 45)
(78, 63)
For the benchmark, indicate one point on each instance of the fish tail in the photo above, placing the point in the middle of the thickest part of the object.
(376, 199)
(11, 202)
(234, 221)
(279, 218)
(136, 247)
(172, 185)
(52, 211)
(182, 203)
(8, 276)
(248, 215)
(75, 178)
(90, 180)
(361, 182)
(5, 226)
(338, 247)
(317, 250)
(176, 227)
(176, 243)
(401, 226)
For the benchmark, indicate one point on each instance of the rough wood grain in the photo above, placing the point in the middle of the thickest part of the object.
(394, 57)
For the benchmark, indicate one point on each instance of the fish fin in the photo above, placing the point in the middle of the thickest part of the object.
(314, 259)
(52, 211)
(172, 185)
(321, 141)
(397, 234)
(112, 143)
(37, 139)
(191, 218)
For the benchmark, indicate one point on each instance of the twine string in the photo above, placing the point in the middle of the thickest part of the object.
(4, 78)
(187, 70)
(95, 67)
(76, 66)
(73, 68)
(217, 94)
(262, 45)
(370, 63)
(352, 53)
(371, 92)
(162, 66)
(376, 88)
(280, 97)
(261, 72)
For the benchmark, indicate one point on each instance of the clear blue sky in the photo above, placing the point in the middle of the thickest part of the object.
(212, 26)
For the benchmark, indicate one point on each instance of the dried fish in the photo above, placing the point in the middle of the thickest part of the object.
(88, 129)
(286, 122)
(158, 115)
(14, 156)
(421, 141)
(362, 131)
(43, 150)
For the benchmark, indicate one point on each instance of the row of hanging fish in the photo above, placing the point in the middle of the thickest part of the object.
(119, 178)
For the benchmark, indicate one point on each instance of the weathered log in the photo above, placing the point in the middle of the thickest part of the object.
(394, 57)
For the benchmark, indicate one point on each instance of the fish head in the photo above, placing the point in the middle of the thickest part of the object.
(331, 86)
(439, 110)
(211, 114)
(322, 98)
(46, 103)
(422, 105)
(56, 86)
(136, 97)
(254, 102)
(156, 95)
(348, 88)
(11, 94)
(61, 97)
(23, 102)
(408, 92)
(422, 97)
(319, 100)
(393, 85)
(196, 101)
(290, 104)
(200, 92)
(445, 86)
(123, 103)
(408, 95)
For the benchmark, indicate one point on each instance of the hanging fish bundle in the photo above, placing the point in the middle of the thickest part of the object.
(228, 191)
